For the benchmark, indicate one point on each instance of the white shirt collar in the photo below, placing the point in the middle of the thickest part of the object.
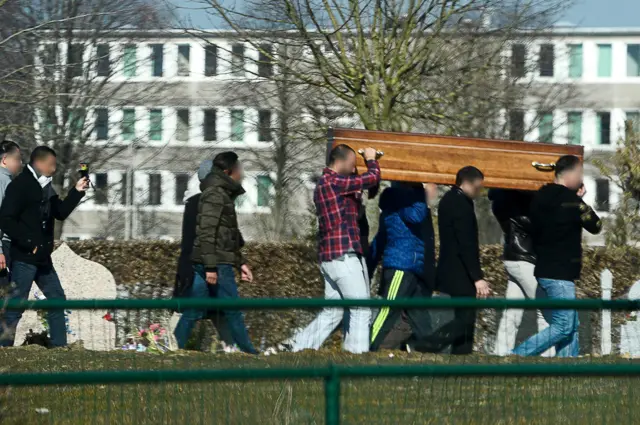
(44, 181)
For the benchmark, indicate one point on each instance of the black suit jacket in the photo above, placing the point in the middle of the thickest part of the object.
(28, 215)
(459, 262)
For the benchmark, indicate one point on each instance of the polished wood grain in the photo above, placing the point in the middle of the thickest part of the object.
(436, 159)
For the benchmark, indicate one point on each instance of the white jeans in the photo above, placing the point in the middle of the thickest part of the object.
(522, 284)
(345, 277)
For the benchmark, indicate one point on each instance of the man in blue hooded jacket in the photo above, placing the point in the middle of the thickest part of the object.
(405, 242)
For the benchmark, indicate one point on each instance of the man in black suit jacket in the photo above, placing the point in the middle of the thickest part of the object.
(28, 215)
(458, 273)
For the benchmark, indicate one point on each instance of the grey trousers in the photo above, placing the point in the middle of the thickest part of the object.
(347, 278)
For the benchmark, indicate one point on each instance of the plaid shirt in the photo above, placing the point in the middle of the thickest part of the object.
(337, 199)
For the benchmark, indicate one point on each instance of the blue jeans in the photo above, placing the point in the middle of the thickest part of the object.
(225, 288)
(23, 275)
(562, 332)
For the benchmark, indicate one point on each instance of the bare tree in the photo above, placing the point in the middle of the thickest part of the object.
(67, 76)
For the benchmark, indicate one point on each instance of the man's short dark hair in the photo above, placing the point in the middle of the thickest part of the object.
(8, 147)
(226, 161)
(40, 153)
(339, 152)
(468, 174)
(566, 163)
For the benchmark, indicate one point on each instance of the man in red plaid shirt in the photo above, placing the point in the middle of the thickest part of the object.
(338, 197)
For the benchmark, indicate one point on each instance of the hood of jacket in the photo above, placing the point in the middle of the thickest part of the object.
(217, 178)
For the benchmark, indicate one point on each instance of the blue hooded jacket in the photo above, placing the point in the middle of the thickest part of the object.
(402, 233)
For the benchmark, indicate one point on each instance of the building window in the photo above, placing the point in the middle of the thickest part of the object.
(237, 60)
(155, 189)
(104, 63)
(546, 60)
(102, 124)
(128, 124)
(264, 191)
(518, 60)
(157, 59)
(210, 133)
(125, 189)
(516, 125)
(264, 126)
(633, 60)
(575, 60)
(211, 60)
(130, 53)
(101, 193)
(604, 128)
(182, 129)
(237, 126)
(76, 122)
(602, 195)
(49, 59)
(545, 128)
(574, 133)
(182, 184)
(74, 60)
(605, 56)
(155, 124)
(265, 65)
(183, 60)
(50, 123)
(633, 123)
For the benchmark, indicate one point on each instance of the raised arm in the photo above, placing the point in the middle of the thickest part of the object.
(61, 209)
(358, 183)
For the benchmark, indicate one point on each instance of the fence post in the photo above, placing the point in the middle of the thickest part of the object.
(332, 396)
(606, 284)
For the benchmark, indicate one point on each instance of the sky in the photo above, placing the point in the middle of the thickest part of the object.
(604, 13)
(584, 13)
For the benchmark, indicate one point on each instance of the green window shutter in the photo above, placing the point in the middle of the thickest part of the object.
(634, 117)
(575, 61)
(605, 56)
(575, 128)
(633, 60)
(130, 61)
(545, 128)
(76, 122)
(237, 126)
(128, 124)
(155, 124)
(264, 191)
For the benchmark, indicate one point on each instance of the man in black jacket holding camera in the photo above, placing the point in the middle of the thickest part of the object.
(511, 209)
(28, 215)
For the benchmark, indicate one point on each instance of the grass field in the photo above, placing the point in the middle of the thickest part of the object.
(447, 400)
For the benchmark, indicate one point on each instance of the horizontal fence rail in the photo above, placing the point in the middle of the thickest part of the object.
(289, 303)
(254, 374)
(332, 374)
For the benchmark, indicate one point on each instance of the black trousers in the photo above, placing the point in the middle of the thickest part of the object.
(399, 284)
(458, 334)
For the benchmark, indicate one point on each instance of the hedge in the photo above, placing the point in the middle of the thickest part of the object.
(291, 270)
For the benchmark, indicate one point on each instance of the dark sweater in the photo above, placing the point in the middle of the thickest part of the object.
(558, 216)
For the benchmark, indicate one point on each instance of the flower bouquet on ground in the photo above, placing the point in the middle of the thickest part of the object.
(153, 339)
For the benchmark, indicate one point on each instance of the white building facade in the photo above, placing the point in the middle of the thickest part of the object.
(201, 110)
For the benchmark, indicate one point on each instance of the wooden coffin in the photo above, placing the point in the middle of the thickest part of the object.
(436, 159)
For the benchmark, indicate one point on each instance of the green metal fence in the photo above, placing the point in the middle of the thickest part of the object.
(67, 386)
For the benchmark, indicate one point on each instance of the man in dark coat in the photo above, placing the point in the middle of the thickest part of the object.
(217, 249)
(184, 274)
(29, 210)
(458, 273)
